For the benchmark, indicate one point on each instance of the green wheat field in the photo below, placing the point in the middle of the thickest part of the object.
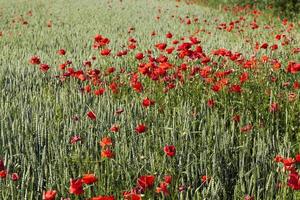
(147, 99)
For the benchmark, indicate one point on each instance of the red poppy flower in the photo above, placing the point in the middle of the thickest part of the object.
(163, 188)
(294, 181)
(168, 179)
(107, 153)
(131, 196)
(148, 102)
(91, 115)
(169, 35)
(264, 46)
(110, 70)
(216, 87)
(244, 77)
(132, 46)
(137, 86)
(175, 42)
(170, 150)
(236, 88)
(141, 128)
(100, 41)
(114, 128)
(103, 198)
(3, 174)
(170, 50)
(121, 53)
(87, 88)
(44, 67)
(63, 66)
(15, 177)
(49, 195)
(81, 77)
(297, 158)
(278, 37)
(146, 181)
(87, 63)
(210, 103)
(296, 85)
(236, 118)
(204, 179)
(74, 139)
(278, 158)
(293, 67)
(61, 52)
(89, 179)
(114, 87)
(161, 46)
(76, 187)
(105, 52)
(274, 107)
(106, 141)
(139, 56)
(99, 91)
(35, 60)
(288, 161)
(246, 128)
(274, 47)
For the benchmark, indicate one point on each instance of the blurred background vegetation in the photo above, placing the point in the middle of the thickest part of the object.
(283, 8)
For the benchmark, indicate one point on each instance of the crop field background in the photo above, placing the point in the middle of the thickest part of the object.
(147, 99)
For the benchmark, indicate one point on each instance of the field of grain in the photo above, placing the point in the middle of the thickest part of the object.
(147, 99)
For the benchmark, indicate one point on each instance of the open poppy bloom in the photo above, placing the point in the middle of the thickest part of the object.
(114, 128)
(146, 181)
(106, 141)
(294, 181)
(44, 67)
(76, 187)
(168, 179)
(170, 150)
(105, 52)
(139, 56)
(35, 60)
(148, 102)
(89, 179)
(163, 188)
(3, 174)
(49, 195)
(169, 35)
(107, 153)
(274, 107)
(210, 103)
(141, 128)
(99, 91)
(61, 52)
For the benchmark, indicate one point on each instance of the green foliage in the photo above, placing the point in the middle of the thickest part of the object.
(282, 8)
